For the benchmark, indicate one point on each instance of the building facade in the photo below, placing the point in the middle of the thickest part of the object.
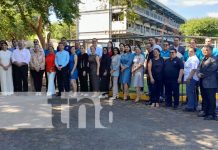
(100, 20)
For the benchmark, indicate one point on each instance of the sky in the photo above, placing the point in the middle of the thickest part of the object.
(193, 8)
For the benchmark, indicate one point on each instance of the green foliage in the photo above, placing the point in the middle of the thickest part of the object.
(200, 27)
(59, 30)
(129, 6)
(34, 14)
(13, 28)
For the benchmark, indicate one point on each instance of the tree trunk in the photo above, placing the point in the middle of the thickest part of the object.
(41, 38)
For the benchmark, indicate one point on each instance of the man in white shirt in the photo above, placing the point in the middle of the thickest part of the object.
(98, 50)
(191, 79)
(21, 58)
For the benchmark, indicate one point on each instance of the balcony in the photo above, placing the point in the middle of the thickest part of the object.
(156, 17)
(119, 26)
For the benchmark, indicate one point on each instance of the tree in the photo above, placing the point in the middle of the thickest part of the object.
(13, 28)
(35, 14)
(200, 27)
(59, 30)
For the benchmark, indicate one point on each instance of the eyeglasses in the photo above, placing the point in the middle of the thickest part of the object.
(172, 52)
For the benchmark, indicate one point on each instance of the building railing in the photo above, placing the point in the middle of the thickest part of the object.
(157, 17)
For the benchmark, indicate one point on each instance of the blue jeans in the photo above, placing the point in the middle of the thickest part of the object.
(191, 94)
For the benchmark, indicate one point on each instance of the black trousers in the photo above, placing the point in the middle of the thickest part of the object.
(37, 79)
(83, 80)
(104, 83)
(209, 100)
(13, 76)
(156, 91)
(203, 95)
(21, 78)
(63, 79)
(172, 89)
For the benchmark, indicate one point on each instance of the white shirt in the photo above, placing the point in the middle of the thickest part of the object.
(157, 46)
(179, 55)
(21, 56)
(190, 64)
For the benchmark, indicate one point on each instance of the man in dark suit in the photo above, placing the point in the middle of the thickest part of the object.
(208, 83)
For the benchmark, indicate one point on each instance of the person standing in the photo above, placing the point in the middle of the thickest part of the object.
(153, 43)
(208, 42)
(115, 71)
(51, 71)
(155, 71)
(21, 58)
(110, 48)
(126, 65)
(66, 46)
(176, 45)
(149, 56)
(199, 54)
(94, 66)
(191, 79)
(165, 53)
(138, 72)
(73, 68)
(61, 62)
(173, 72)
(83, 70)
(98, 50)
(121, 46)
(37, 67)
(6, 80)
(104, 73)
(208, 83)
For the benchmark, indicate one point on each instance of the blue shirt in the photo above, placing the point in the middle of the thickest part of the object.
(215, 52)
(62, 58)
(46, 51)
(78, 52)
(66, 48)
(165, 54)
(12, 49)
(198, 52)
(98, 51)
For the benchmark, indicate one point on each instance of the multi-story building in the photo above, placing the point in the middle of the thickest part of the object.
(100, 20)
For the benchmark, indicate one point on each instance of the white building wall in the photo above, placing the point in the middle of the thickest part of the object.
(94, 19)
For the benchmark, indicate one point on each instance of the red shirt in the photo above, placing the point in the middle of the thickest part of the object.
(110, 53)
(50, 62)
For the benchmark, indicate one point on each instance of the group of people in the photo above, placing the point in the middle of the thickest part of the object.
(100, 69)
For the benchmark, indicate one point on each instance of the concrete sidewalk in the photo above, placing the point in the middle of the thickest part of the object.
(134, 126)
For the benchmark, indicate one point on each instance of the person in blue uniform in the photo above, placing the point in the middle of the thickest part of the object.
(173, 72)
(126, 65)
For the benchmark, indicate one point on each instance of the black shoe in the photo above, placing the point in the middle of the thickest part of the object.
(175, 107)
(58, 94)
(202, 114)
(216, 118)
(209, 117)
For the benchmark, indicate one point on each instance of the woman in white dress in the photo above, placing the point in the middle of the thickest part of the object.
(6, 70)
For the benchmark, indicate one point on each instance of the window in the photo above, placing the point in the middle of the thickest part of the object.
(117, 16)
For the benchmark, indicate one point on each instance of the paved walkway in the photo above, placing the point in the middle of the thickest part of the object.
(134, 127)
